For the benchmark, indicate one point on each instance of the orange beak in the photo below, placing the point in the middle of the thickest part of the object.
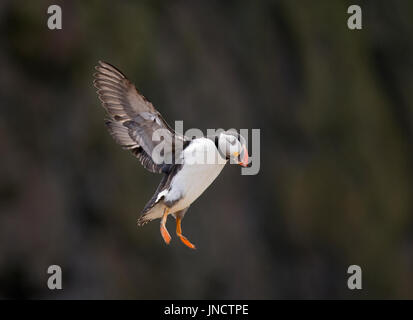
(244, 161)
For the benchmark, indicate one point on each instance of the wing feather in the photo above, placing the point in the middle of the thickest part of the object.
(133, 119)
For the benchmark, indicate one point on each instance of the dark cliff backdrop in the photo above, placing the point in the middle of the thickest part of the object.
(336, 116)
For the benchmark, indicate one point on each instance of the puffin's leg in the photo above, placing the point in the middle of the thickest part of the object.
(164, 233)
(179, 233)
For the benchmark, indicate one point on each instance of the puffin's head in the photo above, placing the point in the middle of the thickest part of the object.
(233, 146)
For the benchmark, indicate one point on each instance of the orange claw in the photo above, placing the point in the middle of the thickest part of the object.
(184, 240)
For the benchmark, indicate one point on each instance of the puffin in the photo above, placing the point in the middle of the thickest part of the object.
(188, 165)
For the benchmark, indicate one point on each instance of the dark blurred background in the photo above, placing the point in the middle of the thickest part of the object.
(335, 111)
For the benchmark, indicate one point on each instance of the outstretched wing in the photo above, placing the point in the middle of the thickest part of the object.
(133, 121)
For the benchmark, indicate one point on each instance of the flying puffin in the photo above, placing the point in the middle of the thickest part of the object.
(188, 166)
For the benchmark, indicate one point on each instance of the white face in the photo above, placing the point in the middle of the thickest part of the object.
(231, 147)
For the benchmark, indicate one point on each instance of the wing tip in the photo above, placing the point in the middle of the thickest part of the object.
(141, 222)
(103, 66)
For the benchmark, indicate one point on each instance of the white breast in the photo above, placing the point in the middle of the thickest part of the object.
(197, 173)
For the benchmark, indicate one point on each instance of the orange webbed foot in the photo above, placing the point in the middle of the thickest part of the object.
(164, 232)
(165, 235)
(184, 240)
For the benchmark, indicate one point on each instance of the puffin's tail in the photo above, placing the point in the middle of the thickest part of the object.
(155, 212)
(154, 208)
